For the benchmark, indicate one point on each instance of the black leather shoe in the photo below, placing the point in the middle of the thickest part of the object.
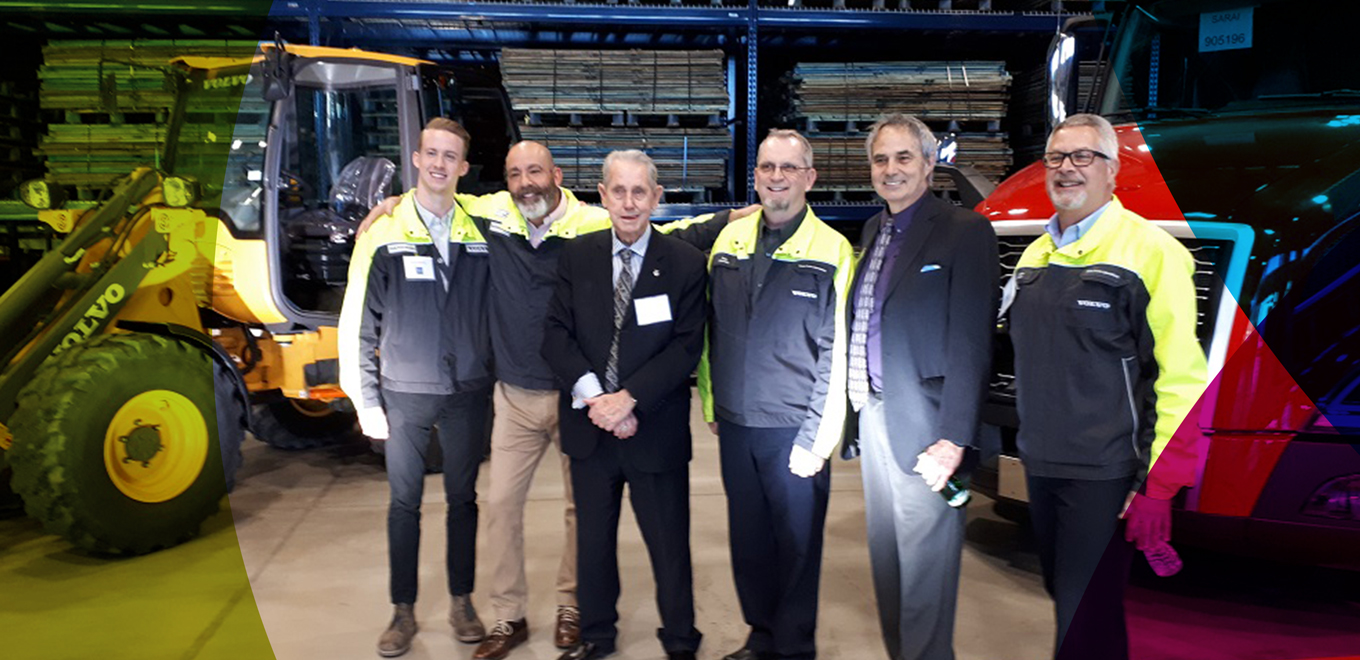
(679, 655)
(587, 651)
(746, 654)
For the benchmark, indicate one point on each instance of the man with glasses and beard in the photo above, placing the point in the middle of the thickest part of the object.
(1107, 366)
(773, 386)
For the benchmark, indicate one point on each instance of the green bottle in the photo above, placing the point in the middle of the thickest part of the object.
(955, 494)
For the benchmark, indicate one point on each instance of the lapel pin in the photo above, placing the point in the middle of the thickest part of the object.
(656, 273)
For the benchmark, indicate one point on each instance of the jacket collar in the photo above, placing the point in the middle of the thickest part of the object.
(796, 247)
(461, 227)
(1104, 227)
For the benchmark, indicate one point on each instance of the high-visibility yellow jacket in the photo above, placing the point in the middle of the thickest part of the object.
(777, 358)
(400, 328)
(1107, 362)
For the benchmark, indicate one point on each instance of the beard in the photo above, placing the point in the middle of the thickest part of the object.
(1064, 199)
(532, 210)
(778, 205)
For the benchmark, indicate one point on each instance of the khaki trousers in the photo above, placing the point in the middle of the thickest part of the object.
(525, 424)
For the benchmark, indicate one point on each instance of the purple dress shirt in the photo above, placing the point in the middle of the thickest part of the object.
(873, 346)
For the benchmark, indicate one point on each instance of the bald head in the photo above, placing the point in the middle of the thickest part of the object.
(533, 180)
(528, 150)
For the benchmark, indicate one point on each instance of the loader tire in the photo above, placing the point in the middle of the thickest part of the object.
(302, 424)
(116, 445)
(231, 422)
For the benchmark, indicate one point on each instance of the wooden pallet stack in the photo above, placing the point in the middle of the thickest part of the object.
(107, 105)
(18, 126)
(837, 102)
(584, 104)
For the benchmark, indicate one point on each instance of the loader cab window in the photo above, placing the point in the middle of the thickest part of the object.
(341, 154)
(221, 143)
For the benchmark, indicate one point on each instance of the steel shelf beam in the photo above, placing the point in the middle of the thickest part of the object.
(673, 17)
(575, 14)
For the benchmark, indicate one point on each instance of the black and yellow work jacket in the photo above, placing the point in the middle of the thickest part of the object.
(401, 328)
(776, 357)
(1107, 362)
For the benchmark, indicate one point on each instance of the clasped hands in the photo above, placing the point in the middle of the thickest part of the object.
(614, 413)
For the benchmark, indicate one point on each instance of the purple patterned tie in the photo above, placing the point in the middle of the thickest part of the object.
(858, 386)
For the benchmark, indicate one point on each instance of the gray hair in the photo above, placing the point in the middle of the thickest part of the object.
(631, 156)
(790, 134)
(930, 147)
(1109, 142)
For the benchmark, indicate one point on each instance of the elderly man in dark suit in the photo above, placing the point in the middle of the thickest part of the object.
(922, 311)
(624, 332)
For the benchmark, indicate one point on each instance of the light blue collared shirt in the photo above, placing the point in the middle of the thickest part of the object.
(1062, 238)
(639, 248)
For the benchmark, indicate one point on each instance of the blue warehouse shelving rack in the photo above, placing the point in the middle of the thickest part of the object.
(762, 41)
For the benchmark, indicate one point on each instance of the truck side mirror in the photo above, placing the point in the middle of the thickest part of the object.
(1062, 62)
(276, 73)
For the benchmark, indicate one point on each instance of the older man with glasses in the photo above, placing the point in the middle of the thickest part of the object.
(1107, 366)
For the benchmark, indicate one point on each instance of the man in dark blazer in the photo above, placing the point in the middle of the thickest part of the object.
(922, 313)
(624, 332)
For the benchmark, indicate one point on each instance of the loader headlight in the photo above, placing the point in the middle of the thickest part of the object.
(42, 195)
(179, 191)
(1338, 499)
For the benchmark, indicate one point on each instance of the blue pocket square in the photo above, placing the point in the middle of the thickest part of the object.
(929, 267)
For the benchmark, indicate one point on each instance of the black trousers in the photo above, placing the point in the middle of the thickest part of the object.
(775, 521)
(460, 420)
(661, 503)
(1085, 561)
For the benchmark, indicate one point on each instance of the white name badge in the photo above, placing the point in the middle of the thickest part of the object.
(419, 268)
(653, 309)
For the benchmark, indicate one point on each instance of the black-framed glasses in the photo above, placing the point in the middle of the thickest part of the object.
(1080, 158)
(786, 169)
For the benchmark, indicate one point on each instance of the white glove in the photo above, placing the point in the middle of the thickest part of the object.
(804, 463)
(373, 421)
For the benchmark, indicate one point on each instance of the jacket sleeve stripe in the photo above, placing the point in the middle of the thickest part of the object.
(358, 331)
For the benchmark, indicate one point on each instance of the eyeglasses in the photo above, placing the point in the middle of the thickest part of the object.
(787, 170)
(1080, 158)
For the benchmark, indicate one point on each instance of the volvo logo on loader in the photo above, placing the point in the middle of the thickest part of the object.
(94, 317)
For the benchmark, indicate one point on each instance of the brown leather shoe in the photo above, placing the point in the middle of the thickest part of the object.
(568, 633)
(396, 640)
(505, 635)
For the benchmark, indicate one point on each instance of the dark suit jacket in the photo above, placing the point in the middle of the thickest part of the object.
(939, 317)
(655, 361)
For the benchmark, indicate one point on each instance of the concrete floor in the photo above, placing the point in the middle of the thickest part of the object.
(312, 533)
(310, 527)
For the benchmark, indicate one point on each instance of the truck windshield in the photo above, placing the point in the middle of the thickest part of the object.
(1180, 57)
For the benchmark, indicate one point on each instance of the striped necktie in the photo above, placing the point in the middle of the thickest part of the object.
(623, 295)
(858, 385)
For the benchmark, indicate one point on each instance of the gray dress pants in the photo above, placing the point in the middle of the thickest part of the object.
(915, 540)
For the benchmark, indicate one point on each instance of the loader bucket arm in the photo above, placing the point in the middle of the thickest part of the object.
(28, 340)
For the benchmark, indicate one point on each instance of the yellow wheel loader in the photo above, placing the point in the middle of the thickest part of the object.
(201, 298)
